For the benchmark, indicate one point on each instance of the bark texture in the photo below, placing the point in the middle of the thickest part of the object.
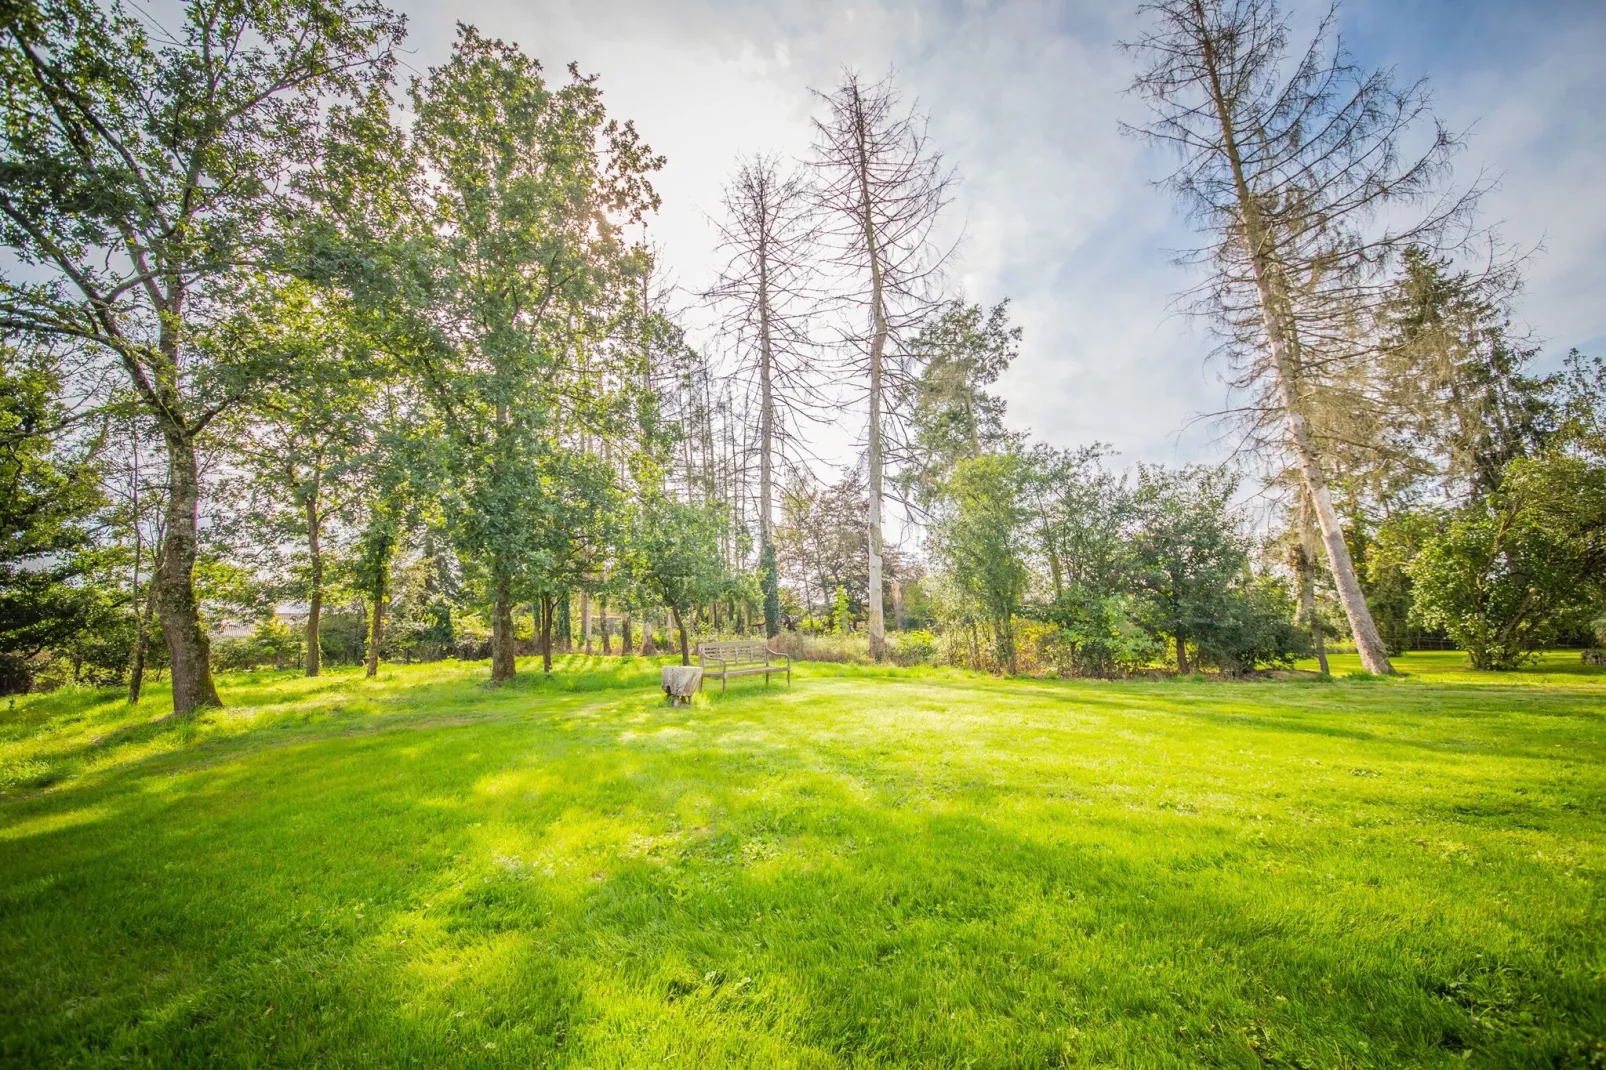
(188, 650)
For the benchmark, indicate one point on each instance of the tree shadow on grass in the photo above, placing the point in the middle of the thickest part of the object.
(534, 887)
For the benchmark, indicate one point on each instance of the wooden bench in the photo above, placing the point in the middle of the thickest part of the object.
(740, 657)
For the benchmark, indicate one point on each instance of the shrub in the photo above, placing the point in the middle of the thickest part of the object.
(273, 644)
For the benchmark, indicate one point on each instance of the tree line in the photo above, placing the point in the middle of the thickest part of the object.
(279, 328)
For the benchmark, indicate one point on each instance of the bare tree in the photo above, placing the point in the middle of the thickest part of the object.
(882, 188)
(769, 234)
(1297, 167)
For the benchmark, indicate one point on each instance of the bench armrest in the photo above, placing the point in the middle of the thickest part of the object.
(711, 657)
(778, 654)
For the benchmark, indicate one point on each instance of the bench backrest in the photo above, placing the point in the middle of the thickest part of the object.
(735, 651)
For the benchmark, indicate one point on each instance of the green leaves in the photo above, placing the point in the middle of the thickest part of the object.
(1509, 574)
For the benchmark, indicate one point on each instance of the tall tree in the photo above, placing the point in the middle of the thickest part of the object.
(882, 187)
(48, 498)
(981, 539)
(1298, 166)
(524, 190)
(141, 170)
(304, 442)
(769, 234)
(955, 358)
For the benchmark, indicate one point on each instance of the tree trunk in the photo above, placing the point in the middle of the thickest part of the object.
(1307, 583)
(602, 611)
(545, 623)
(624, 633)
(1183, 668)
(188, 650)
(585, 621)
(878, 345)
(314, 659)
(766, 433)
(649, 649)
(502, 664)
(1281, 336)
(897, 605)
(680, 626)
(376, 632)
(142, 642)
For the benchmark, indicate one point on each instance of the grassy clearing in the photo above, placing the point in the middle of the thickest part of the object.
(878, 867)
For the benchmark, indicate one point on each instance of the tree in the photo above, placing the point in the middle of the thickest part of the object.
(303, 442)
(769, 235)
(528, 278)
(882, 188)
(1288, 162)
(676, 547)
(1511, 572)
(1457, 378)
(959, 353)
(981, 539)
(139, 180)
(1081, 518)
(49, 494)
(1186, 552)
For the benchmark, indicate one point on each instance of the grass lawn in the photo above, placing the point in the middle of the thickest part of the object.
(875, 868)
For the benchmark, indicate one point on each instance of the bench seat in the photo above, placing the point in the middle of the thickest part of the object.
(741, 657)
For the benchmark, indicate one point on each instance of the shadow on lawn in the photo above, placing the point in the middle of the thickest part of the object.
(531, 886)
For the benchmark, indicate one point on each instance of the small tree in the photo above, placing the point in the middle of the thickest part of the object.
(1186, 552)
(981, 540)
(1510, 573)
(676, 547)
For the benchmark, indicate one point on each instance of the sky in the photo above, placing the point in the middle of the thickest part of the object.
(1059, 210)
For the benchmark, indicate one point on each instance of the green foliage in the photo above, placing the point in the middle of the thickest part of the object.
(960, 353)
(841, 612)
(1507, 575)
(273, 644)
(980, 540)
(49, 493)
(676, 556)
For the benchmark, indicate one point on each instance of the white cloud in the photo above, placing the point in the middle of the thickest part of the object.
(1059, 208)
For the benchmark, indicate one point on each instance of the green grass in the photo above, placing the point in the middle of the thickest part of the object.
(875, 868)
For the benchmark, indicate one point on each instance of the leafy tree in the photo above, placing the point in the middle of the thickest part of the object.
(1508, 574)
(1458, 378)
(528, 278)
(981, 540)
(676, 547)
(49, 495)
(959, 353)
(142, 171)
(1081, 516)
(304, 443)
(1186, 552)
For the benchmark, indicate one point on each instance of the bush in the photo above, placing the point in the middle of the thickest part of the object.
(1257, 629)
(1508, 576)
(918, 647)
(273, 644)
